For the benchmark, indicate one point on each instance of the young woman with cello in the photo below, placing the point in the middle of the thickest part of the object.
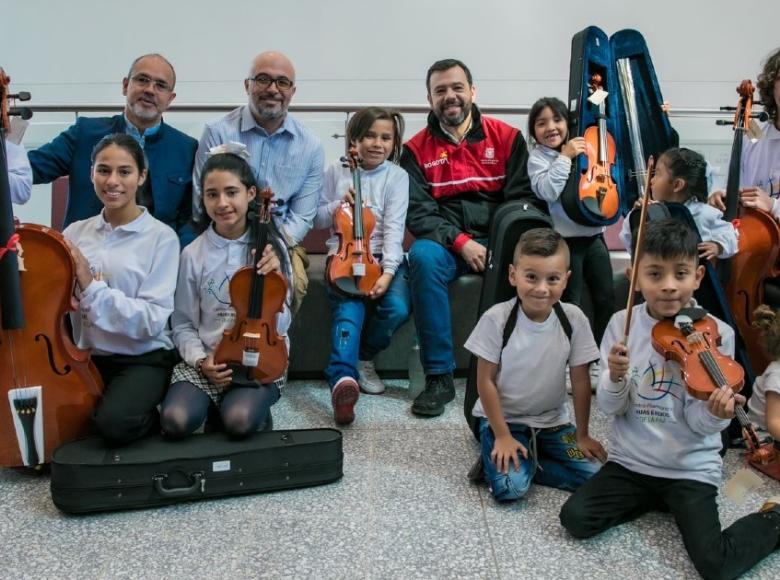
(205, 312)
(376, 134)
(125, 260)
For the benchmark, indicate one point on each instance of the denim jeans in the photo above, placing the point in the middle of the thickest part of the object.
(348, 314)
(560, 463)
(431, 268)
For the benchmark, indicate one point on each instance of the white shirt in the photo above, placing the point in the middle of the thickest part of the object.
(710, 223)
(125, 308)
(761, 161)
(549, 171)
(19, 173)
(531, 379)
(658, 429)
(202, 306)
(769, 382)
(385, 191)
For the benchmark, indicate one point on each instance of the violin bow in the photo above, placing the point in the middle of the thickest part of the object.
(640, 234)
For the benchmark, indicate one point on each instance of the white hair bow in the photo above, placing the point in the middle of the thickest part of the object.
(231, 147)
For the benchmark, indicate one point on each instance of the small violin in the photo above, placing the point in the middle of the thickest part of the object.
(598, 190)
(352, 270)
(252, 347)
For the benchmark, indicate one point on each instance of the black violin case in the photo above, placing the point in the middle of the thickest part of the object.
(510, 220)
(593, 52)
(88, 476)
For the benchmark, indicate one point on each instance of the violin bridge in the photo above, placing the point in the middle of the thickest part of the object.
(251, 354)
(26, 406)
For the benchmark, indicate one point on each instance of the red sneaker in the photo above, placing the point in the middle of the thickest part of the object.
(343, 397)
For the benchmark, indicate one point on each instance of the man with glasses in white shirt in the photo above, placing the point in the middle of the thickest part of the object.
(149, 91)
(285, 155)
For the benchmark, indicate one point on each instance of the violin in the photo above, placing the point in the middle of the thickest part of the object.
(352, 270)
(253, 347)
(759, 242)
(691, 340)
(49, 388)
(598, 190)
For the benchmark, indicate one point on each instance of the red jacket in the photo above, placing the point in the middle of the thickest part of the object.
(454, 188)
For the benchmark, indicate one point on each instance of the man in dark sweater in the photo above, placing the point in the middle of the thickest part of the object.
(461, 166)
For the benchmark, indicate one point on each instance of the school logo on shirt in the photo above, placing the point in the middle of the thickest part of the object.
(656, 390)
(442, 160)
(489, 156)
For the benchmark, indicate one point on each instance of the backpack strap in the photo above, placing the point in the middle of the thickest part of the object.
(511, 322)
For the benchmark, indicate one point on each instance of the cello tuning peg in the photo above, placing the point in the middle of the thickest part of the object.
(23, 112)
(20, 96)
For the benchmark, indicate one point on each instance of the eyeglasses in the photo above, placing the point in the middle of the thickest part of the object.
(144, 81)
(265, 81)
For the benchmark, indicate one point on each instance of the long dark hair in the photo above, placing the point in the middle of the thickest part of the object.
(240, 168)
(689, 166)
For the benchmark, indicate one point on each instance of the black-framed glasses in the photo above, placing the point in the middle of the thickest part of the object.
(265, 81)
(144, 81)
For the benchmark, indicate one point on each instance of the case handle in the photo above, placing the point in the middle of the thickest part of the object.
(198, 482)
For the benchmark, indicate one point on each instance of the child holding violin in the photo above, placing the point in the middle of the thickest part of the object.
(377, 134)
(760, 163)
(126, 264)
(663, 453)
(525, 430)
(203, 309)
(681, 177)
(764, 403)
(549, 165)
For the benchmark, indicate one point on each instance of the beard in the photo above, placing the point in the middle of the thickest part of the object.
(144, 113)
(465, 111)
(267, 113)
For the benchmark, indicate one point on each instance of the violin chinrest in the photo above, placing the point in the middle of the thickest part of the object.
(346, 285)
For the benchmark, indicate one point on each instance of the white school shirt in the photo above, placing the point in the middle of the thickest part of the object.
(710, 223)
(549, 170)
(531, 378)
(202, 309)
(761, 161)
(19, 173)
(658, 429)
(385, 191)
(125, 308)
(769, 382)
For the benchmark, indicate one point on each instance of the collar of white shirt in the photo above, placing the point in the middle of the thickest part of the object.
(136, 225)
(248, 123)
(221, 242)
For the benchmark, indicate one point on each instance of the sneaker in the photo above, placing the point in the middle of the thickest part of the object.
(369, 381)
(343, 398)
(439, 390)
(771, 505)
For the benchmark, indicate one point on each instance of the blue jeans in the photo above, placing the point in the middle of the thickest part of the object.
(348, 314)
(561, 463)
(432, 267)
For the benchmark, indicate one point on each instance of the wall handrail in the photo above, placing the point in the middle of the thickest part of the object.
(328, 108)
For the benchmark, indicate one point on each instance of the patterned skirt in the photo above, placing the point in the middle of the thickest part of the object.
(184, 372)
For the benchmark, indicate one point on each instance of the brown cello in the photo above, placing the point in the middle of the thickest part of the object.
(352, 270)
(252, 348)
(759, 242)
(598, 191)
(48, 387)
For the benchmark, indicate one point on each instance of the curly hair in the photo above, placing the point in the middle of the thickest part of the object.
(767, 322)
(766, 84)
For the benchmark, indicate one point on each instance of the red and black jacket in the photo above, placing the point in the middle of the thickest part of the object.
(454, 188)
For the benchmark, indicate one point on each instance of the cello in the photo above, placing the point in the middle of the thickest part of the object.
(49, 387)
(759, 242)
(252, 347)
(352, 270)
(598, 190)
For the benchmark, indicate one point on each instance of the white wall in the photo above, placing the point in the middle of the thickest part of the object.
(370, 51)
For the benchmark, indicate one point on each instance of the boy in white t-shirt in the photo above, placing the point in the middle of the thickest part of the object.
(522, 384)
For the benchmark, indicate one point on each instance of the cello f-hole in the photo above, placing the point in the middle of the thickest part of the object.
(50, 355)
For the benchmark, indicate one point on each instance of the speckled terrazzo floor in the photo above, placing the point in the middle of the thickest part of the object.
(404, 509)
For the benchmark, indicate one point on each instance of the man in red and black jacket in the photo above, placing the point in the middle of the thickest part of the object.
(461, 167)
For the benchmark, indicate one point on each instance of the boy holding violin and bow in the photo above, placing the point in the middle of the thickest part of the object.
(665, 442)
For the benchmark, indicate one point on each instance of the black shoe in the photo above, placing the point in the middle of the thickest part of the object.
(439, 390)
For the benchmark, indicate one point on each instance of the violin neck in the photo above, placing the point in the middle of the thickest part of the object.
(357, 218)
(258, 280)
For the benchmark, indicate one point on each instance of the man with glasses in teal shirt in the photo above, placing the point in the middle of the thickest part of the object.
(149, 91)
(284, 154)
